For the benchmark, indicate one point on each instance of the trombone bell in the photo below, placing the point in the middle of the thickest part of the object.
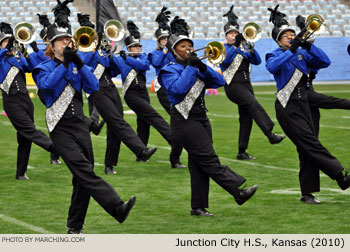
(315, 24)
(24, 33)
(251, 32)
(114, 30)
(85, 38)
(214, 51)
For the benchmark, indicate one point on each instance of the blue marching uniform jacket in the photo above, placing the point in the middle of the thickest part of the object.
(52, 79)
(6, 63)
(140, 64)
(231, 52)
(38, 57)
(158, 59)
(177, 80)
(282, 64)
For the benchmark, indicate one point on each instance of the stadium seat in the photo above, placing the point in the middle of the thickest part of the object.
(2, 4)
(29, 4)
(199, 35)
(337, 34)
(14, 4)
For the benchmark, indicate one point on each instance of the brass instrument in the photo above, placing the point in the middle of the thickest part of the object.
(214, 51)
(85, 39)
(314, 24)
(251, 34)
(24, 34)
(114, 32)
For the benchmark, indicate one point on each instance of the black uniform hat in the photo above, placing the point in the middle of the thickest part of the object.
(134, 38)
(232, 24)
(45, 22)
(162, 20)
(179, 32)
(84, 20)
(6, 31)
(280, 23)
(61, 27)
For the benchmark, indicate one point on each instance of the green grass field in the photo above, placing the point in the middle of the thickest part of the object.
(40, 205)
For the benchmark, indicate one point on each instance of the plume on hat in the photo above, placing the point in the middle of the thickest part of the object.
(133, 29)
(179, 26)
(62, 12)
(277, 17)
(231, 16)
(6, 28)
(163, 18)
(84, 20)
(44, 20)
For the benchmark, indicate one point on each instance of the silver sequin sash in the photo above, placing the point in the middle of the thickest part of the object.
(99, 71)
(184, 107)
(131, 76)
(157, 86)
(232, 69)
(284, 94)
(55, 112)
(6, 84)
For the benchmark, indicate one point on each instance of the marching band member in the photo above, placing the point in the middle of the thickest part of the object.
(109, 105)
(133, 69)
(17, 103)
(62, 79)
(318, 100)
(290, 65)
(239, 90)
(185, 81)
(159, 58)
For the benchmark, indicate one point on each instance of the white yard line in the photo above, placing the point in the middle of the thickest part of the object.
(24, 224)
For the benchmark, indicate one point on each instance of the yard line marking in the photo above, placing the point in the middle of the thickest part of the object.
(345, 117)
(257, 164)
(24, 224)
(334, 127)
(322, 191)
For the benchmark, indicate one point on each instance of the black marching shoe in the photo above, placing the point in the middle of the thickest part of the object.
(23, 177)
(96, 127)
(275, 138)
(344, 183)
(55, 161)
(201, 212)
(245, 156)
(123, 210)
(310, 199)
(110, 170)
(178, 165)
(246, 194)
(74, 230)
(146, 154)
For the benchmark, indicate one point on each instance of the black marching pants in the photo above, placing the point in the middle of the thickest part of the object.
(318, 100)
(20, 111)
(249, 108)
(109, 105)
(196, 137)
(176, 148)
(295, 120)
(72, 141)
(138, 100)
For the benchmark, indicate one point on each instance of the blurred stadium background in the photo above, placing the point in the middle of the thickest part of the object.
(205, 17)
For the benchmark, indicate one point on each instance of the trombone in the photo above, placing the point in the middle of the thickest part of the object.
(85, 39)
(24, 34)
(214, 51)
(114, 32)
(314, 24)
(251, 34)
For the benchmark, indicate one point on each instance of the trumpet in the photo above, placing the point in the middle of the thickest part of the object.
(251, 34)
(85, 39)
(214, 51)
(24, 34)
(314, 24)
(131, 53)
